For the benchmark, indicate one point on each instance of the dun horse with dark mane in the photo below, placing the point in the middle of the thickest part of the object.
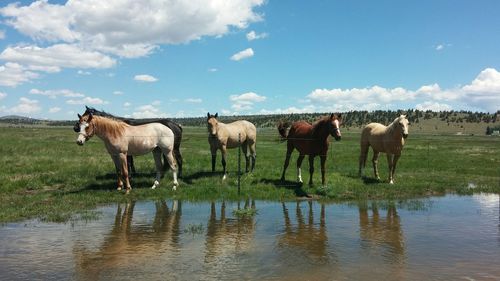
(223, 136)
(309, 139)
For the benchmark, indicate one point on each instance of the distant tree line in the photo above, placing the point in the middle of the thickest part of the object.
(356, 118)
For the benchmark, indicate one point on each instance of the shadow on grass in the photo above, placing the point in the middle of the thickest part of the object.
(113, 176)
(295, 186)
(203, 174)
(365, 179)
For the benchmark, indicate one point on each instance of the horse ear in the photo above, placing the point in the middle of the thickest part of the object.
(208, 114)
(332, 115)
(90, 117)
(79, 116)
(216, 114)
(87, 108)
(339, 116)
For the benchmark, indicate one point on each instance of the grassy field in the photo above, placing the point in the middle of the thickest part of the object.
(45, 175)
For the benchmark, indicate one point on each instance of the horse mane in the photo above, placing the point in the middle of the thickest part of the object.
(113, 127)
(391, 126)
(96, 112)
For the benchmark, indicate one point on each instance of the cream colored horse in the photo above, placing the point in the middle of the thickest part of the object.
(223, 136)
(390, 140)
(122, 139)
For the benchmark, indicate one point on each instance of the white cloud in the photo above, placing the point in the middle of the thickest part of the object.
(56, 57)
(81, 72)
(13, 74)
(2, 95)
(56, 93)
(2, 34)
(145, 78)
(87, 101)
(483, 94)
(148, 111)
(212, 70)
(193, 100)
(247, 53)
(127, 104)
(92, 33)
(245, 101)
(118, 93)
(434, 106)
(129, 28)
(54, 109)
(254, 36)
(439, 47)
(25, 106)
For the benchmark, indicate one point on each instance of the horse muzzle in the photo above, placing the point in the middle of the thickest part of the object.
(405, 136)
(337, 138)
(80, 142)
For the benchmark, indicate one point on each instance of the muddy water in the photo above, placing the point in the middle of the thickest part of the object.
(442, 238)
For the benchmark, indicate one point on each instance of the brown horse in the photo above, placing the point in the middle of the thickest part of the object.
(310, 139)
(390, 140)
(223, 136)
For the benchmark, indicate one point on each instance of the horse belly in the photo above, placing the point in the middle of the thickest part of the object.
(140, 147)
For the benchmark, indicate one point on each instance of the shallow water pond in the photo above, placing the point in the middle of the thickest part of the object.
(439, 238)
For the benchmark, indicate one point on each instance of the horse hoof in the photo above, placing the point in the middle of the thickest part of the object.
(174, 188)
(224, 177)
(127, 192)
(391, 182)
(119, 188)
(155, 184)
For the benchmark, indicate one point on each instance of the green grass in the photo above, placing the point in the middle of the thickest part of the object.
(45, 175)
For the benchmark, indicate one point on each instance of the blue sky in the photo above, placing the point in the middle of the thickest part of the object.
(185, 58)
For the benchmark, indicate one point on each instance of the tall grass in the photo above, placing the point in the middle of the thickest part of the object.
(45, 175)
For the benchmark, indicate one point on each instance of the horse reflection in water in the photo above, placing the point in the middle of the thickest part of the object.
(228, 236)
(128, 245)
(308, 236)
(382, 237)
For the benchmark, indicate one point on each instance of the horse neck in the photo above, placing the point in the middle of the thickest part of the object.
(320, 130)
(391, 130)
(106, 128)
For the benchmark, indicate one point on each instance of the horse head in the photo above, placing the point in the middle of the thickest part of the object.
(212, 124)
(403, 124)
(334, 126)
(85, 130)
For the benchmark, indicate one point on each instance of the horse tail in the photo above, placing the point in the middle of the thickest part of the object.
(283, 129)
(365, 146)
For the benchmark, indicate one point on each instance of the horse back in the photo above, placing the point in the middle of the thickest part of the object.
(301, 137)
(237, 132)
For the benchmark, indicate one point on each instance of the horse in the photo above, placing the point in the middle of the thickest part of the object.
(223, 136)
(309, 139)
(122, 139)
(389, 140)
(176, 128)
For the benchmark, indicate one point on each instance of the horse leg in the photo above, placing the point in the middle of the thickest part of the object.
(178, 159)
(244, 148)
(392, 171)
(323, 169)
(299, 172)
(362, 158)
(124, 169)
(289, 150)
(223, 152)
(173, 166)
(116, 161)
(130, 164)
(159, 167)
(375, 162)
(251, 146)
(213, 151)
(311, 169)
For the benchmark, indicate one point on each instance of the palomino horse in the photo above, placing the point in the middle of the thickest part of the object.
(390, 140)
(176, 129)
(223, 136)
(310, 140)
(122, 139)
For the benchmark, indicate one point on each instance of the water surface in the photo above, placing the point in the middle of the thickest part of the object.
(440, 238)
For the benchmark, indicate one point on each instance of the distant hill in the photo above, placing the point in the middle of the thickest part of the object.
(444, 122)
